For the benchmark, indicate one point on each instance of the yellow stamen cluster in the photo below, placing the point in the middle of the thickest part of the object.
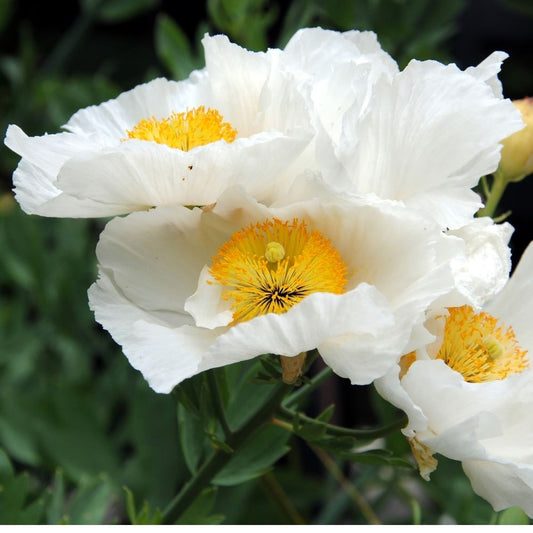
(186, 130)
(476, 346)
(269, 267)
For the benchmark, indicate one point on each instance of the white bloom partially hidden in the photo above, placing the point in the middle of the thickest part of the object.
(469, 395)
(238, 120)
(187, 290)
(483, 270)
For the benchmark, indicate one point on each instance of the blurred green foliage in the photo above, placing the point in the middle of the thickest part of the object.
(84, 440)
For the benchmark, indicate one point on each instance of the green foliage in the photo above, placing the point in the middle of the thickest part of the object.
(514, 516)
(199, 513)
(244, 21)
(174, 49)
(255, 457)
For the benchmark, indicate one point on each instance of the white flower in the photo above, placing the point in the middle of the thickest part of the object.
(469, 396)
(423, 136)
(167, 142)
(187, 290)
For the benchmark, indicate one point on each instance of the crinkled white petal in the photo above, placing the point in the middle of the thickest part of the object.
(158, 98)
(502, 485)
(141, 174)
(339, 68)
(483, 270)
(514, 304)
(165, 351)
(426, 139)
(306, 325)
(488, 71)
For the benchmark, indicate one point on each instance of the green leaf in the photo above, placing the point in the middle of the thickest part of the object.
(6, 469)
(198, 512)
(192, 439)
(145, 515)
(114, 11)
(173, 48)
(522, 6)
(255, 457)
(220, 443)
(326, 414)
(513, 516)
(5, 12)
(92, 502)
(248, 396)
(14, 495)
(55, 511)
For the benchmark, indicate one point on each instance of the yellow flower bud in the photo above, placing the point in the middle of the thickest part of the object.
(517, 153)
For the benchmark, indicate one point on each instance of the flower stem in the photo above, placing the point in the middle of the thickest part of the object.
(219, 458)
(499, 183)
(218, 403)
(347, 485)
(275, 491)
(288, 415)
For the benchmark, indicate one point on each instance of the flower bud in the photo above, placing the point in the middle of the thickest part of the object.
(517, 153)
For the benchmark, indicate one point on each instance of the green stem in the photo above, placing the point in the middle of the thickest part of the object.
(347, 485)
(499, 183)
(309, 387)
(288, 415)
(218, 403)
(218, 459)
(275, 491)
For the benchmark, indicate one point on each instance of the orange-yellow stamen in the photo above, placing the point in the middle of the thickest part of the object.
(269, 267)
(186, 130)
(476, 346)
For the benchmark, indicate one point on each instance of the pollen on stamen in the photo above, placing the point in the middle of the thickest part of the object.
(269, 267)
(479, 348)
(186, 130)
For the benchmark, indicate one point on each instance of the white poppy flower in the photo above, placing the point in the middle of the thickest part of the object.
(187, 290)
(423, 136)
(166, 142)
(469, 395)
